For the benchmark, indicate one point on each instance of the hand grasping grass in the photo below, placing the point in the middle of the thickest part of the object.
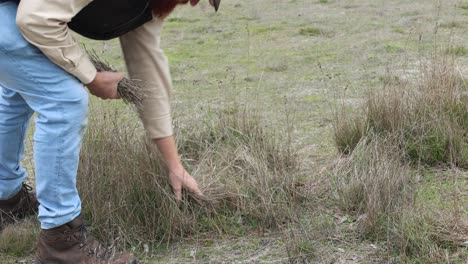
(130, 90)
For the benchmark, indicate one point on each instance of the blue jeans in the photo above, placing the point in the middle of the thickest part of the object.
(30, 83)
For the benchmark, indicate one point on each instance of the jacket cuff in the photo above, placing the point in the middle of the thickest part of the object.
(84, 70)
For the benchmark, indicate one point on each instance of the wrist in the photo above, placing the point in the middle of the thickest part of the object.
(168, 149)
(174, 166)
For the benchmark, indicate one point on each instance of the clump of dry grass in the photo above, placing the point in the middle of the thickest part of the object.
(372, 183)
(19, 240)
(246, 172)
(391, 204)
(430, 117)
(401, 125)
(131, 91)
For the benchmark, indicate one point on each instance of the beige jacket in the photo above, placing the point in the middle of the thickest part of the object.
(44, 24)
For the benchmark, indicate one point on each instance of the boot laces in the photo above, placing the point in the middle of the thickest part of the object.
(90, 245)
(26, 188)
(26, 192)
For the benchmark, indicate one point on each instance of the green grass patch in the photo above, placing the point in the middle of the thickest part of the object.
(464, 6)
(452, 24)
(458, 51)
(311, 31)
(181, 20)
(393, 48)
(259, 29)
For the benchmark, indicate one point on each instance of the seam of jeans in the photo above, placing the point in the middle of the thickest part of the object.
(58, 168)
(16, 62)
(46, 91)
(27, 118)
(21, 140)
(1, 4)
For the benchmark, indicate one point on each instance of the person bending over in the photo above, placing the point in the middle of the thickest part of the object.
(42, 70)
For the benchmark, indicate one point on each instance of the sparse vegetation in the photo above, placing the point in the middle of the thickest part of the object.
(395, 192)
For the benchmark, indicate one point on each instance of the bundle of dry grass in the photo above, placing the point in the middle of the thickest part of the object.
(131, 91)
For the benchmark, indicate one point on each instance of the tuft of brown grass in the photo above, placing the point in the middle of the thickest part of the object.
(402, 125)
(372, 183)
(19, 239)
(430, 117)
(392, 205)
(131, 91)
(246, 172)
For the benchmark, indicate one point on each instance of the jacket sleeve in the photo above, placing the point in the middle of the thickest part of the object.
(44, 25)
(147, 62)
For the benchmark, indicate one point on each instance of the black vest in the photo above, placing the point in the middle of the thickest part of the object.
(104, 19)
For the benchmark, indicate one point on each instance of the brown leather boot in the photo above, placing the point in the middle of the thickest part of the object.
(69, 244)
(24, 203)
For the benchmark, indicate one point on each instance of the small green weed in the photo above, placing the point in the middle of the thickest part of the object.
(391, 48)
(458, 51)
(311, 31)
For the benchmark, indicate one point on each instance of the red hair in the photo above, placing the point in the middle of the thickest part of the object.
(162, 8)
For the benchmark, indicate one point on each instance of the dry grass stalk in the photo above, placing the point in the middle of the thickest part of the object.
(131, 91)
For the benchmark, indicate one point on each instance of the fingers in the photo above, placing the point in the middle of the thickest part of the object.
(105, 85)
(119, 76)
(192, 186)
(187, 182)
(177, 192)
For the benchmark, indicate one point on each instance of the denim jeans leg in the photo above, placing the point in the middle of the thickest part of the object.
(61, 104)
(14, 120)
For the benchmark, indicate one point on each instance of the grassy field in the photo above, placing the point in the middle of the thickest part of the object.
(294, 65)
